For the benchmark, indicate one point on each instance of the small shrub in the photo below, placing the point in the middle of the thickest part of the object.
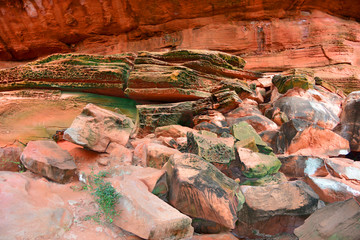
(106, 196)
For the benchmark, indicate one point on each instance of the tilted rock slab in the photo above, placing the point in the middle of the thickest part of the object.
(333, 179)
(200, 190)
(46, 158)
(95, 128)
(146, 215)
(338, 220)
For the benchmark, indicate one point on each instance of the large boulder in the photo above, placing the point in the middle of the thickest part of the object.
(146, 215)
(338, 220)
(316, 141)
(10, 158)
(95, 128)
(274, 209)
(31, 209)
(350, 121)
(333, 179)
(316, 112)
(46, 158)
(200, 190)
(302, 137)
(211, 148)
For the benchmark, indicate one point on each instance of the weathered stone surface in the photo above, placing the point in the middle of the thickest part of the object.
(211, 148)
(285, 83)
(350, 121)
(117, 155)
(220, 236)
(313, 111)
(157, 115)
(10, 158)
(95, 128)
(46, 158)
(259, 122)
(210, 116)
(174, 131)
(290, 198)
(338, 220)
(200, 190)
(257, 165)
(329, 180)
(154, 155)
(30, 209)
(89, 73)
(273, 179)
(243, 131)
(280, 207)
(151, 177)
(316, 141)
(211, 127)
(138, 207)
(293, 166)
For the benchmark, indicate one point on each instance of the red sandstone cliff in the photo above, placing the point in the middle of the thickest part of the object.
(269, 34)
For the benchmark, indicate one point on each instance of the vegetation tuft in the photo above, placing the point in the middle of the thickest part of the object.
(106, 196)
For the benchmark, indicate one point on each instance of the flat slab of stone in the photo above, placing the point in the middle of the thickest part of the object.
(46, 158)
(146, 215)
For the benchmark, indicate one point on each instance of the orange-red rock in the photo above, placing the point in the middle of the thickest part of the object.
(200, 190)
(340, 220)
(146, 215)
(46, 158)
(10, 158)
(272, 34)
(95, 128)
(31, 208)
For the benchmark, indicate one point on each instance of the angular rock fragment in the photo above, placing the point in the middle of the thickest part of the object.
(257, 165)
(46, 158)
(174, 131)
(95, 128)
(329, 178)
(339, 220)
(153, 155)
(283, 207)
(244, 131)
(200, 190)
(211, 148)
(285, 83)
(146, 215)
(158, 115)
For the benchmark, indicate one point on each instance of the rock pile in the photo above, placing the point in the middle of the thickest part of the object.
(242, 160)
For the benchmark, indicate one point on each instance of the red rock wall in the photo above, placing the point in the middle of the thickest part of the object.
(270, 34)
